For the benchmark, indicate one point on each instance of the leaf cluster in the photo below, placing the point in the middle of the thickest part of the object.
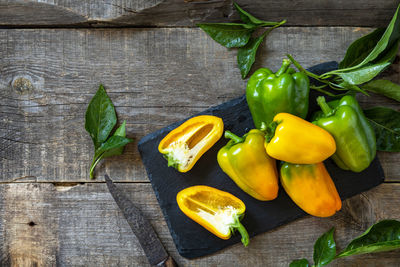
(382, 236)
(100, 120)
(240, 35)
(365, 59)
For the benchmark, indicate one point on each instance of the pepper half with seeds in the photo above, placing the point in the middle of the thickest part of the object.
(184, 146)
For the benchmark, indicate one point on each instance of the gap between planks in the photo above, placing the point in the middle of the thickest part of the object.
(144, 27)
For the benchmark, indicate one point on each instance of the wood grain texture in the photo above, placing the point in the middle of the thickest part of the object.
(189, 12)
(82, 226)
(154, 77)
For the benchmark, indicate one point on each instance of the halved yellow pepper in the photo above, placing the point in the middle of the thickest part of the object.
(311, 187)
(292, 139)
(217, 211)
(183, 146)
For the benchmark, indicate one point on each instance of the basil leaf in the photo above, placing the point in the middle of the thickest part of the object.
(299, 263)
(364, 74)
(247, 18)
(325, 249)
(383, 236)
(385, 43)
(100, 117)
(361, 48)
(113, 142)
(386, 123)
(384, 87)
(246, 55)
(228, 34)
(121, 131)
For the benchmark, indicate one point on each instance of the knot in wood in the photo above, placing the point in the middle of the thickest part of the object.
(22, 85)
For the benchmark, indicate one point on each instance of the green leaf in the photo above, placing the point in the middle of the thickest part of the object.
(299, 263)
(386, 123)
(247, 18)
(361, 48)
(113, 142)
(364, 74)
(228, 34)
(385, 43)
(383, 236)
(352, 87)
(117, 151)
(325, 249)
(246, 55)
(384, 87)
(100, 117)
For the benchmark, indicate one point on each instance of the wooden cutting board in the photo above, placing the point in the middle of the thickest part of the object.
(191, 239)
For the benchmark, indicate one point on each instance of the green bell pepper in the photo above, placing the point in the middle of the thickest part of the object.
(269, 93)
(354, 136)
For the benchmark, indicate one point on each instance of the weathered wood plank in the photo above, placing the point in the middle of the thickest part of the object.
(188, 13)
(82, 226)
(154, 77)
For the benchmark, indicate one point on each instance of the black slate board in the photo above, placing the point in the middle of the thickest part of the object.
(191, 239)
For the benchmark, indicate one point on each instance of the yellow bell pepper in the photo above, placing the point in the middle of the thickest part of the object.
(183, 146)
(292, 139)
(311, 188)
(245, 161)
(217, 211)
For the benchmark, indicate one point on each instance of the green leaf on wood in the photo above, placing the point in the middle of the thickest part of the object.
(384, 87)
(364, 74)
(228, 34)
(299, 263)
(325, 249)
(383, 236)
(247, 55)
(386, 123)
(389, 38)
(247, 18)
(361, 48)
(113, 142)
(100, 117)
(121, 131)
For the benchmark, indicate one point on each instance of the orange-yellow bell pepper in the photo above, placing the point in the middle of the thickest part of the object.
(183, 146)
(292, 139)
(217, 211)
(311, 188)
(245, 161)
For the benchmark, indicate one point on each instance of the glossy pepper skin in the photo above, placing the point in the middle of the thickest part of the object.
(184, 145)
(269, 93)
(218, 211)
(246, 162)
(292, 139)
(354, 136)
(311, 188)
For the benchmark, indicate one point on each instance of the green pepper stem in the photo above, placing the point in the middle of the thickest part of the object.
(285, 65)
(263, 127)
(270, 131)
(326, 109)
(243, 232)
(236, 139)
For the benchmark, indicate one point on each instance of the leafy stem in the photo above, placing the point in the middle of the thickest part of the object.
(382, 236)
(100, 119)
(241, 36)
(93, 165)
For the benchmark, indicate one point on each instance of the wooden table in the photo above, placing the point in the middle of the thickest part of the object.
(158, 68)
